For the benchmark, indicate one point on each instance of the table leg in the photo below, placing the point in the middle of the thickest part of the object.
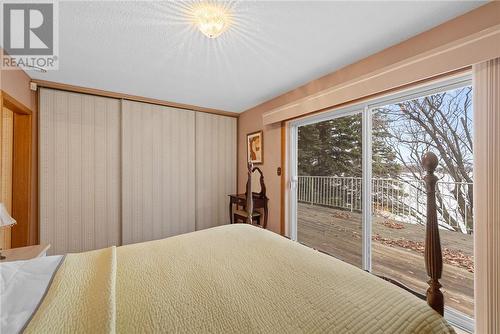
(265, 216)
(230, 212)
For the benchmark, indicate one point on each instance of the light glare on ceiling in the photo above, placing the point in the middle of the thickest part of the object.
(211, 19)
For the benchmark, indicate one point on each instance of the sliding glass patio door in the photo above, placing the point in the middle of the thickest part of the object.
(357, 190)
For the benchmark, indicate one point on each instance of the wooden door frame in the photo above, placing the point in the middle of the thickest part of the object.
(25, 232)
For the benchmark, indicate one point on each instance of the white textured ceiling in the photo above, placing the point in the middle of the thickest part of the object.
(150, 49)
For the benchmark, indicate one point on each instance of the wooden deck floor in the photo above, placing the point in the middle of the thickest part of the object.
(339, 233)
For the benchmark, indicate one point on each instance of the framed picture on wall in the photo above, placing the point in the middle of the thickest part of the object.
(255, 147)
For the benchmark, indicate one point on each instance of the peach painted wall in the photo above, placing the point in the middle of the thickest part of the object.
(251, 121)
(16, 83)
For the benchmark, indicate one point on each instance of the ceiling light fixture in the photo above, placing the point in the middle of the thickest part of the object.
(211, 19)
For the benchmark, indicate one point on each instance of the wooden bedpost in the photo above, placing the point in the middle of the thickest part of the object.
(249, 206)
(433, 255)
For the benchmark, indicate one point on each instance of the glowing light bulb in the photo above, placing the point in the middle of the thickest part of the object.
(212, 20)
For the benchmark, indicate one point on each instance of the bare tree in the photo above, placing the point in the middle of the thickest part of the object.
(441, 123)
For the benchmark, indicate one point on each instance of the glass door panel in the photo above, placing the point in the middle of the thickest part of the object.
(329, 187)
(401, 133)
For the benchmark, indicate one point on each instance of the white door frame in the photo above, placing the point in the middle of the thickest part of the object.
(366, 207)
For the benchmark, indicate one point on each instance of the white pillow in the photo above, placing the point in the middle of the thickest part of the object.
(22, 287)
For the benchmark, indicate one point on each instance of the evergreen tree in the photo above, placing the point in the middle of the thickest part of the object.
(384, 158)
(334, 148)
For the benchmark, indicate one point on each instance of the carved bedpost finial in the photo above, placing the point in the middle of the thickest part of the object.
(433, 255)
(249, 206)
(429, 162)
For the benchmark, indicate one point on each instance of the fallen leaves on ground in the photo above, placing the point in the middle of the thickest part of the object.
(452, 257)
(341, 214)
(392, 224)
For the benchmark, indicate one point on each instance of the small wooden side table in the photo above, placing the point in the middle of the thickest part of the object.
(24, 253)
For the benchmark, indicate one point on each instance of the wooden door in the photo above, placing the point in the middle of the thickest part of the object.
(6, 154)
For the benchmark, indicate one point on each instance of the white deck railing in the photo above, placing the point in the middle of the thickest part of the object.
(402, 200)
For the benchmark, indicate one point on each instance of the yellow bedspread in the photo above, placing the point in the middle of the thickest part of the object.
(228, 279)
(81, 298)
(241, 279)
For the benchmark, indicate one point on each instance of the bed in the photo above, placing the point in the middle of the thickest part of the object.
(235, 278)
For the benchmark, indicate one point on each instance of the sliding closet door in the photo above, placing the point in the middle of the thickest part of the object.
(158, 156)
(215, 168)
(79, 171)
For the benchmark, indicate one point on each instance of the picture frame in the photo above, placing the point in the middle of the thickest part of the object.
(255, 147)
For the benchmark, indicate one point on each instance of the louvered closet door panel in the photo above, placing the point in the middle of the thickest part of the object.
(215, 168)
(79, 160)
(158, 161)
